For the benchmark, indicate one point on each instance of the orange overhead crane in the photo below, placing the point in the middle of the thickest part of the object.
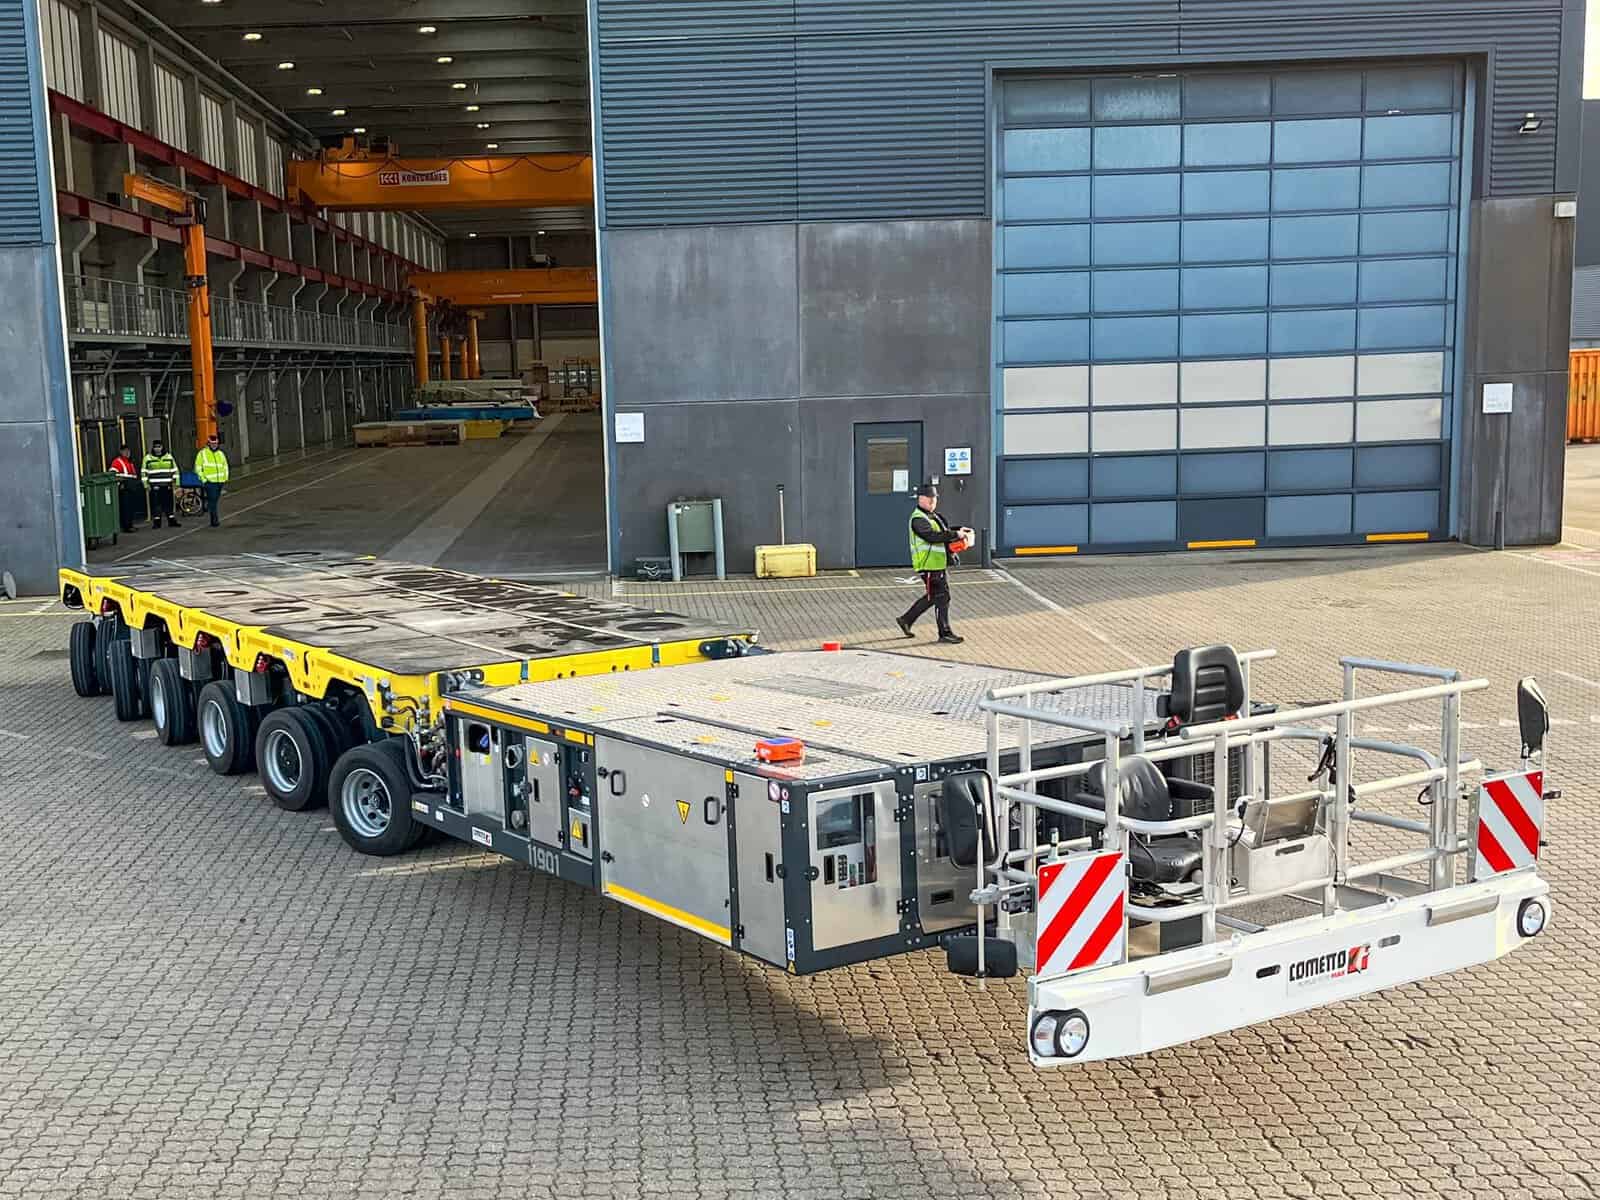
(353, 177)
(189, 213)
(474, 290)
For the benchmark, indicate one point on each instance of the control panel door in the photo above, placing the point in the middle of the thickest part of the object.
(758, 846)
(663, 835)
(855, 852)
(944, 890)
(542, 794)
(482, 771)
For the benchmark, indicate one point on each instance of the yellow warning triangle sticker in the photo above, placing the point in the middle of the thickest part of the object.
(683, 811)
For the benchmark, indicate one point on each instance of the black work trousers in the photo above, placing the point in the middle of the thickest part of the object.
(128, 503)
(935, 595)
(160, 503)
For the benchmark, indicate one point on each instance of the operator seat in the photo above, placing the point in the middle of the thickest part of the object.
(1207, 685)
(1145, 794)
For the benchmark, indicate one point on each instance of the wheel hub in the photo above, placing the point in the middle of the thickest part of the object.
(213, 728)
(366, 801)
(283, 765)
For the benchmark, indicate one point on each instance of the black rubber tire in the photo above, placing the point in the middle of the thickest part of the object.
(105, 632)
(337, 736)
(234, 750)
(171, 702)
(80, 649)
(298, 780)
(127, 689)
(383, 764)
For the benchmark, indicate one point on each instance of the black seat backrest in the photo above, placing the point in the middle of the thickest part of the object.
(1207, 685)
(1143, 791)
(965, 816)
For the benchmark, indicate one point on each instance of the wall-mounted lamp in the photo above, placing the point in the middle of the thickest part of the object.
(1530, 123)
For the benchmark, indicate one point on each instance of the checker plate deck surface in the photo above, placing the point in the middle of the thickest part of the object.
(399, 617)
(854, 709)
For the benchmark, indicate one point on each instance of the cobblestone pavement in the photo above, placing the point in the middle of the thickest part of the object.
(202, 996)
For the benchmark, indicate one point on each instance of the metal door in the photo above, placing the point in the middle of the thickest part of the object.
(888, 470)
(663, 836)
(758, 847)
(544, 792)
(1227, 306)
(855, 851)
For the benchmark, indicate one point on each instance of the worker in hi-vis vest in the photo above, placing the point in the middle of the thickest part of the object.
(211, 464)
(160, 472)
(933, 541)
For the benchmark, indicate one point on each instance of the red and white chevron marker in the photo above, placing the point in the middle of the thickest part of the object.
(1510, 816)
(1081, 920)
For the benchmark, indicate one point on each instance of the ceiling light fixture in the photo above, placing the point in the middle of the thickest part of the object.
(540, 232)
(338, 112)
(286, 66)
(444, 59)
(427, 29)
(252, 37)
(474, 107)
(472, 235)
(483, 124)
(492, 146)
(313, 91)
(210, 1)
(460, 87)
(359, 129)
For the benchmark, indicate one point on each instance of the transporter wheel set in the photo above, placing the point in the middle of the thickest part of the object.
(307, 752)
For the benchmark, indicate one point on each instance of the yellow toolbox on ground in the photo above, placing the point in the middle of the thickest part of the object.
(796, 560)
(483, 429)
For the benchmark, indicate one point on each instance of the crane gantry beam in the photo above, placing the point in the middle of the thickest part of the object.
(351, 180)
(486, 289)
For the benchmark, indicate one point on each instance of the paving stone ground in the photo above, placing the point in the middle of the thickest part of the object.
(203, 996)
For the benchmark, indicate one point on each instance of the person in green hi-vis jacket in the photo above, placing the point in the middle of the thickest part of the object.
(933, 541)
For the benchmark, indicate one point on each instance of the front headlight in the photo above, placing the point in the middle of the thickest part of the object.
(1531, 917)
(1044, 1035)
(1072, 1034)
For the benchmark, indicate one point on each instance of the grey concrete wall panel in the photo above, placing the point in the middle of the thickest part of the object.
(1587, 253)
(701, 314)
(827, 444)
(739, 451)
(27, 507)
(1518, 331)
(1569, 110)
(894, 307)
(840, 109)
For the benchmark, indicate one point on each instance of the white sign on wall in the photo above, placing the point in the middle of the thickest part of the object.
(958, 460)
(630, 427)
(1497, 397)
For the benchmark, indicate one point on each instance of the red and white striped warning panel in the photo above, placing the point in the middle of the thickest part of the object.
(1510, 816)
(1080, 913)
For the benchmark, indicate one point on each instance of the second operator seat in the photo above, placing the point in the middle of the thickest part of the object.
(1145, 794)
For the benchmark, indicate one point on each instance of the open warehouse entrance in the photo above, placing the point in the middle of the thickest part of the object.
(398, 257)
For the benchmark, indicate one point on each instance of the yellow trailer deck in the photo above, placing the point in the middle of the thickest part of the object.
(399, 633)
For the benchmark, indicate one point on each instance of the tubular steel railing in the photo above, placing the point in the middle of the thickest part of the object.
(117, 308)
(1440, 777)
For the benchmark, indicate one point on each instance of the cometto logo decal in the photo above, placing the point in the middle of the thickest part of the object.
(1328, 968)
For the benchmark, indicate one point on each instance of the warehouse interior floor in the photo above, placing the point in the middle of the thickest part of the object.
(523, 505)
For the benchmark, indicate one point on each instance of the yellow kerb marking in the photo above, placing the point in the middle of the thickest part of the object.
(1224, 544)
(1047, 550)
(1397, 537)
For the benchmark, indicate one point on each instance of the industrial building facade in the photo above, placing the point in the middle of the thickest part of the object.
(1158, 275)
(1124, 275)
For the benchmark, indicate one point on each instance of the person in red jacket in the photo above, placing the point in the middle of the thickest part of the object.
(127, 487)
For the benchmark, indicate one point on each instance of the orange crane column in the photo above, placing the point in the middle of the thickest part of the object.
(419, 335)
(444, 356)
(464, 374)
(474, 363)
(200, 357)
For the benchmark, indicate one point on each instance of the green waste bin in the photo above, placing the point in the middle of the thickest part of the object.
(100, 519)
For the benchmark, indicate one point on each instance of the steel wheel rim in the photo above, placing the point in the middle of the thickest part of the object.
(214, 729)
(282, 763)
(158, 701)
(367, 805)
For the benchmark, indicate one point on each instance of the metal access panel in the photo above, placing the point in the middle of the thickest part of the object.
(855, 864)
(479, 751)
(943, 889)
(544, 793)
(663, 836)
(758, 849)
